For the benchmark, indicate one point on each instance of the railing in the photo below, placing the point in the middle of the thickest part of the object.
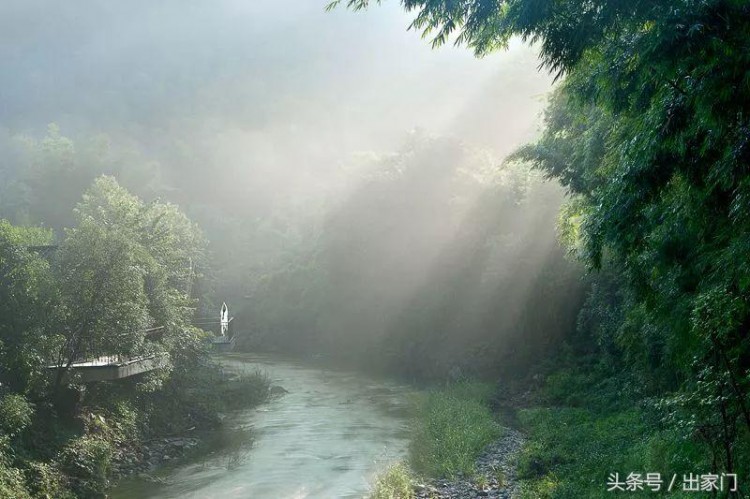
(223, 328)
(92, 353)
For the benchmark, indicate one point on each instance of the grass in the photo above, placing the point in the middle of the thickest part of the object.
(394, 483)
(453, 425)
(571, 451)
(244, 389)
(585, 425)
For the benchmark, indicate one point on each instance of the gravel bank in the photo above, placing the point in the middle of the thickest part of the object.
(495, 476)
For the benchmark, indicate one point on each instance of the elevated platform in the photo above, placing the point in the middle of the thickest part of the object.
(222, 344)
(110, 368)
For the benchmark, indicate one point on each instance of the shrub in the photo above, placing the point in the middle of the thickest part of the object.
(117, 424)
(245, 390)
(11, 479)
(46, 481)
(12, 483)
(15, 414)
(393, 483)
(197, 398)
(572, 451)
(87, 461)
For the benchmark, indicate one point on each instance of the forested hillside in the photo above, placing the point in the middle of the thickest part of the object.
(436, 239)
(648, 133)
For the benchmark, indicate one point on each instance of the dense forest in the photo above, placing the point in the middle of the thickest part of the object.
(586, 284)
(648, 133)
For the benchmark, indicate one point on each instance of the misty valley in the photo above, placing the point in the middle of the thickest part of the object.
(414, 249)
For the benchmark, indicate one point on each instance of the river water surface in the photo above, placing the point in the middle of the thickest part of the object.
(326, 438)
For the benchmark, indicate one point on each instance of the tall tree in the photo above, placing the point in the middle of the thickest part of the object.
(27, 295)
(125, 268)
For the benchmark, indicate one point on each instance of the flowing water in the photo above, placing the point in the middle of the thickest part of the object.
(326, 438)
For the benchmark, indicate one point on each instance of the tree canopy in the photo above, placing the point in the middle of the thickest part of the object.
(649, 131)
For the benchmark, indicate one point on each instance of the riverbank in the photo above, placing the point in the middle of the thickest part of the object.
(585, 422)
(494, 477)
(180, 425)
(564, 434)
(96, 435)
(459, 448)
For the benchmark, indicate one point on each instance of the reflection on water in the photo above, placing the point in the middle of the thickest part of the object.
(325, 438)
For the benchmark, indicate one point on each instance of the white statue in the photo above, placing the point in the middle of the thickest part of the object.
(224, 319)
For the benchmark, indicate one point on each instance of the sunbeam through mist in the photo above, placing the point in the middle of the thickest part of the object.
(355, 248)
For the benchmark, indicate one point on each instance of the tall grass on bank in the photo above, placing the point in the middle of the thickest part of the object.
(453, 425)
(394, 483)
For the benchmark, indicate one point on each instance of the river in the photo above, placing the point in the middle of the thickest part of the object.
(326, 438)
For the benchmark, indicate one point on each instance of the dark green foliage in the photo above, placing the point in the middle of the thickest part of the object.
(588, 424)
(126, 266)
(15, 414)
(605, 407)
(200, 397)
(26, 290)
(565, 29)
(657, 173)
(12, 480)
(650, 134)
(87, 460)
(47, 481)
(243, 389)
(571, 451)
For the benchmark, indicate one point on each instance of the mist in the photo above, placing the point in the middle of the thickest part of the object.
(315, 248)
(346, 175)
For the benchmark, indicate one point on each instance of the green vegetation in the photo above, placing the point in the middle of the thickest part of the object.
(201, 397)
(450, 428)
(432, 267)
(124, 269)
(393, 483)
(453, 425)
(578, 439)
(387, 279)
(648, 132)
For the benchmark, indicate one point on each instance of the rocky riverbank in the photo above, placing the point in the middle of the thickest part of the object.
(151, 454)
(495, 474)
(143, 457)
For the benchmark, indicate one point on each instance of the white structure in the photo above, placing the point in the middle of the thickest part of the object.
(224, 319)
